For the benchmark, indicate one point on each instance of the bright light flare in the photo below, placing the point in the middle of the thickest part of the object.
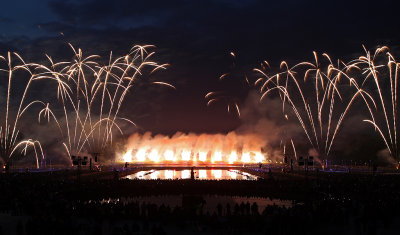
(153, 156)
(128, 156)
(185, 174)
(154, 175)
(232, 174)
(169, 155)
(186, 155)
(259, 157)
(203, 174)
(217, 174)
(233, 157)
(246, 158)
(195, 149)
(217, 156)
(141, 155)
(202, 156)
(169, 174)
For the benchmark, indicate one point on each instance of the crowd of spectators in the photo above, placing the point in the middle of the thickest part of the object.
(323, 203)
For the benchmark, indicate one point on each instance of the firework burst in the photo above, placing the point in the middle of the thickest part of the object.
(10, 138)
(231, 87)
(320, 95)
(379, 73)
(89, 97)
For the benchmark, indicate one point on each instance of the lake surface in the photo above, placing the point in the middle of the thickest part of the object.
(199, 174)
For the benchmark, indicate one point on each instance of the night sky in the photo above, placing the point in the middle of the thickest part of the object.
(196, 38)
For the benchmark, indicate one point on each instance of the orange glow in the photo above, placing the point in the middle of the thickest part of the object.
(141, 155)
(195, 149)
(153, 156)
(233, 157)
(246, 158)
(259, 157)
(128, 156)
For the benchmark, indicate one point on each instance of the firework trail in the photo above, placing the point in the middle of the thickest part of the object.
(380, 73)
(226, 96)
(10, 138)
(89, 98)
(91, 95)
(313, 91)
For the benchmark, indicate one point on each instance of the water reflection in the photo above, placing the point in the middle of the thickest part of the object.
(232, 174)
(201, 174)
(217, 174)
(185, 174)
(169, 174)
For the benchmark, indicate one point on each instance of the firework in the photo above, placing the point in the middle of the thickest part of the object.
(9, 130)
(379, 73)
(195, 149)
(82, 86)
(313, 91)
(229, 98)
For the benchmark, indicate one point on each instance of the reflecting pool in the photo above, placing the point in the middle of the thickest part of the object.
(199, 174)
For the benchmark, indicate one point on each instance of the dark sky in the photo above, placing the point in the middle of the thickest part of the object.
(196, 37)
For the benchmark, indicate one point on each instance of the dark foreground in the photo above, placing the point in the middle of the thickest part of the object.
(322, 203)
